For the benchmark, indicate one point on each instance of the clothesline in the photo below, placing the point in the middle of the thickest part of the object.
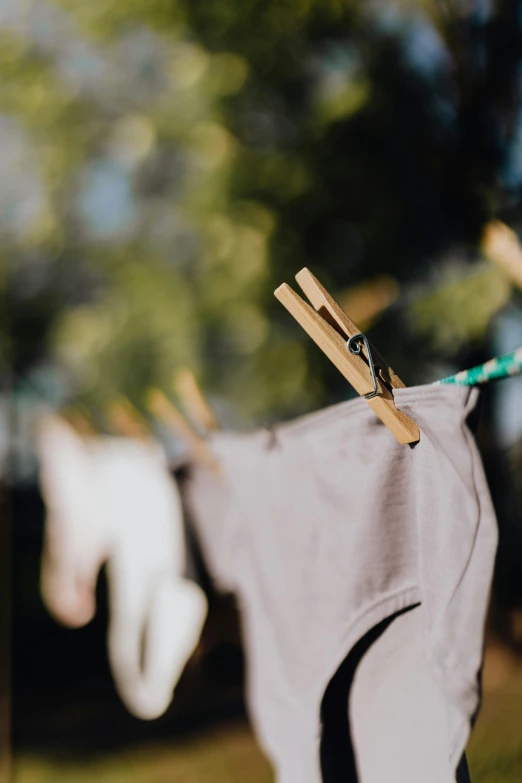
(502, 367)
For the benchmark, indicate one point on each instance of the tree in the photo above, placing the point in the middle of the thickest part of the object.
(192, 156)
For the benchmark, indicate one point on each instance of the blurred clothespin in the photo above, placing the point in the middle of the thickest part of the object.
(79, 420)
(344, 344)
(501, 245)
(161, 407)
(125, 419)
(367, 301)
(194, 401)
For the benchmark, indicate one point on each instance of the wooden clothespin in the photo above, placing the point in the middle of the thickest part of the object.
(161, 407)
(367, 301)
(194, 401)
(501, 245)
(79, 420)
(125, 419)
(340, 339)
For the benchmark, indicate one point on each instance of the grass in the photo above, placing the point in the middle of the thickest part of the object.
(229, 754)
(495, 750)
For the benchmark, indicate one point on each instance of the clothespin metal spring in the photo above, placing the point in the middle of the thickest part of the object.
(354, 346)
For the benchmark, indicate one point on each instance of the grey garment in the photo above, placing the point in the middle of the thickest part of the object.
(397, 713)
(325, 528)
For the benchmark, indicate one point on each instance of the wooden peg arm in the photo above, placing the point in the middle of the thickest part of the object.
(161, 407)
(335, 315)
(193, 399)
(353, 367)
(125, 419)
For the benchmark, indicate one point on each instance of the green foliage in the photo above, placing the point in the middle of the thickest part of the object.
(460, 309)
(243, 141)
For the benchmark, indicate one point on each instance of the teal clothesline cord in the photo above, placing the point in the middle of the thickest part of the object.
(503, 367)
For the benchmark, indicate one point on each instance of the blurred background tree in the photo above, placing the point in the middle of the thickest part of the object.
(168, 164)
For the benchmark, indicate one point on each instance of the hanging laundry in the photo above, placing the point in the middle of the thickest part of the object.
(111, 499)
(363, 570)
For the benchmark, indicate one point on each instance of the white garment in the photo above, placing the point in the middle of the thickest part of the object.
(112, 500)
